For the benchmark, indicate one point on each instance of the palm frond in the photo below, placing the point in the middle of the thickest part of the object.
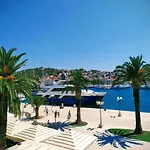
(133, 71)
(12, 83)
(68, 88)
(37, 101)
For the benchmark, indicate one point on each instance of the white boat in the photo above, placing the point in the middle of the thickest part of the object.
(55, 95)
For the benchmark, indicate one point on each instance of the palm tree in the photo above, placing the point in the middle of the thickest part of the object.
(76, 84)
(11, 83)
(135, 72)
(36, 102)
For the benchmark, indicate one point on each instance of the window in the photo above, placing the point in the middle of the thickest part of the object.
(55, 96)
(68, 97)
(46, 96)
(57, 89)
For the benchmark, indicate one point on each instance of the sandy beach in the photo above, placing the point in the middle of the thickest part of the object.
(92, 117)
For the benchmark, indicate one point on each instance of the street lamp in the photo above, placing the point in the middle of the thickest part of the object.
(100, 104)
(119, 100)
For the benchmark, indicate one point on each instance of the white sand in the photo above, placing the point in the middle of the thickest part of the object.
(92, 116)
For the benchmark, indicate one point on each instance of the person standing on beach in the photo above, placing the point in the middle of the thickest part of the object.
(62, 105)
(48, 123)
(58, 113)
(69, 115)
(55, 116)
(45, 108)
(46, 111)
(52, 109)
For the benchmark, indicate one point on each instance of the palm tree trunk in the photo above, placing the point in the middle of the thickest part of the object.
(36, 112)
(78, 102)
(9, 106)
(3, 121)
(138, 127)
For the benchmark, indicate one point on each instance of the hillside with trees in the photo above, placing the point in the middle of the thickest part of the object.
(37, 72)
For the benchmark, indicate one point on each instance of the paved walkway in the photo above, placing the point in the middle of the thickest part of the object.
(110, 120)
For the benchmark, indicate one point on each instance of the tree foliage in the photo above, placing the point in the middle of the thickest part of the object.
(137, 73)
(11, 84)
(37, 72)
(37, 101)
(76, 84)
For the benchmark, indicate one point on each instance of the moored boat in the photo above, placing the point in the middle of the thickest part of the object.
(55, 96)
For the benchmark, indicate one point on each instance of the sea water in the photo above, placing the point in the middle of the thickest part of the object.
(127, 102)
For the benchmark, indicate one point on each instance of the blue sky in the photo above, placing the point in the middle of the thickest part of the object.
(90, 34)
